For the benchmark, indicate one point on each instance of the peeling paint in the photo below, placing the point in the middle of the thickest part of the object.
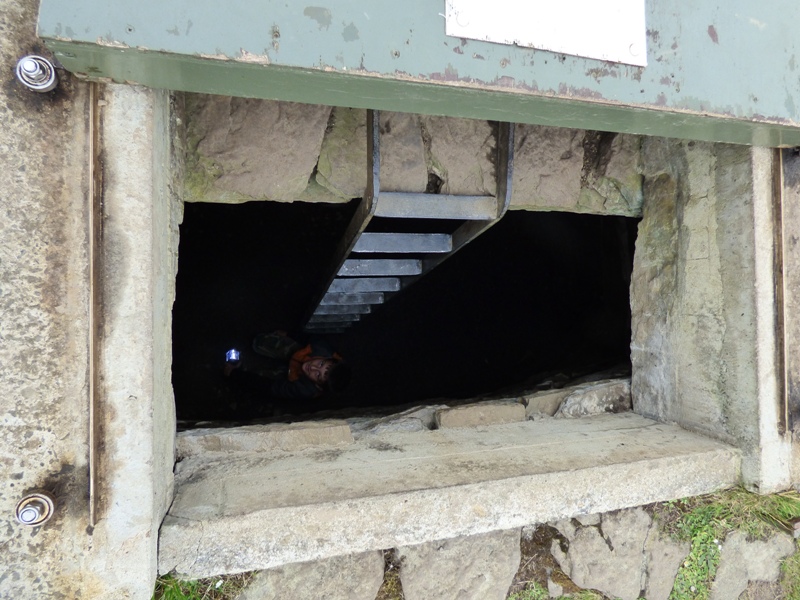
(276, 38)
(218, 56)
(319, 14)
(249, 57)
(350, 33)
(602, 72)
(109, 43)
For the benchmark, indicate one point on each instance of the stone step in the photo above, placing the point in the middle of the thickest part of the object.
(261, 438)
(258, 511)
(401, 205)
(404, 243)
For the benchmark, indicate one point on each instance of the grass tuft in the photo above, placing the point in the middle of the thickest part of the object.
(705, 521)
(224, 587)
(790, 577)
(535, 591)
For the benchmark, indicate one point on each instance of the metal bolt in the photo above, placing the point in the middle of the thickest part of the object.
(37, 73)
(35, 508)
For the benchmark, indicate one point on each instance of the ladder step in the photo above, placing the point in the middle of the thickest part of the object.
(343, 320)
(365, 284)
(404, 242)
(343, 309)
(327, 327)
(435, 206)
(362, 298)
(380, 266)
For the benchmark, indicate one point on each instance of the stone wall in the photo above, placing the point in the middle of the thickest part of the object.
(244, 149)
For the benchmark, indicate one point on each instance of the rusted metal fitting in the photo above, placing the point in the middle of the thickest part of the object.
(36, 508)
(37, 73)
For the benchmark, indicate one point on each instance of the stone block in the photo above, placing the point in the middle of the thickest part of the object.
(481, 413)
(610, 396)
(547, 168)
(664, 557)
(403, 163)
(480, 566)
(607, 558)
(418, 418)
(260, 438)
(249, 148)
(462, 154)
(742, 561)
(350, 577)
(619, 554)
(342, 167)
(544, 403)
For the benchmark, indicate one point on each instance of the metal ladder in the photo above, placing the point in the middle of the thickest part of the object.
(371, 266)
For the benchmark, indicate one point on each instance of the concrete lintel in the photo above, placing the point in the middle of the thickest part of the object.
(404, 489)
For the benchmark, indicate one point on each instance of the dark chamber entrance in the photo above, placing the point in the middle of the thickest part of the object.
(538, 294)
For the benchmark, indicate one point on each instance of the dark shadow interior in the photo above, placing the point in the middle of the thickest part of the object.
(539, 295)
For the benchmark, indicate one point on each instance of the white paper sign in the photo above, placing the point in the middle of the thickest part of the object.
(612, 30)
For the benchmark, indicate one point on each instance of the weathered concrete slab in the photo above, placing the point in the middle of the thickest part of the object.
(43, 328)
(260, 438)
(703, 301)
(480, 413)
(44, 333)
(351, 577)
(390, 490)
(480, 566)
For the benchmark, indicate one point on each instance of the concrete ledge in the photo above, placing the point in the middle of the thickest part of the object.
(261, 438)
(391, 490)
(480, 413)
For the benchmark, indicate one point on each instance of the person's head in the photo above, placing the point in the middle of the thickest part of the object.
(327, 373)
(318, 370)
